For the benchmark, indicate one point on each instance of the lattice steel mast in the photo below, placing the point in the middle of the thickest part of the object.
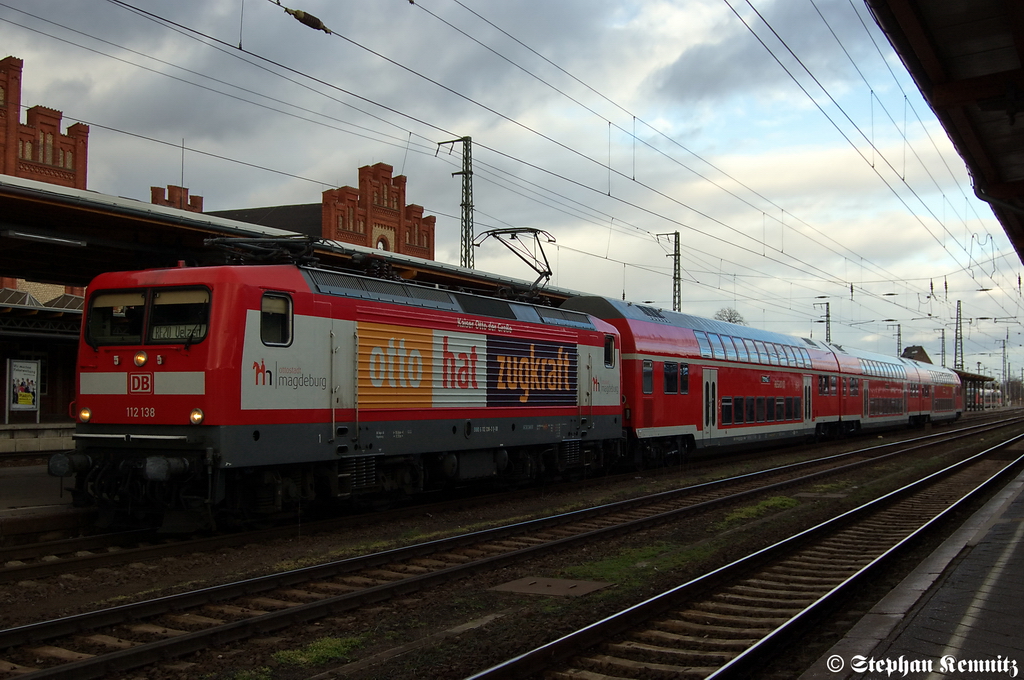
(466, 241)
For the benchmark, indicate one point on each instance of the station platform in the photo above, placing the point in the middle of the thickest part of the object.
(960, 614)
(36, 437)
(31, 501)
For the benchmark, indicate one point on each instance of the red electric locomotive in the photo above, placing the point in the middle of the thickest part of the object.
(245, 391)
(249, 390)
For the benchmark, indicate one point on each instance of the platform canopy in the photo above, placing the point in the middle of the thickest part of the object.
(966, 57)
(53, 234)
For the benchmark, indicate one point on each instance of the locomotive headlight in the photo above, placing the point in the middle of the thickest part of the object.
(85, 414)
(196, 417)
(141, 358)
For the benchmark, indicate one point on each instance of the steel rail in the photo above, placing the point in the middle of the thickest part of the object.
(75, 545)
(557, 651)
(183, 644)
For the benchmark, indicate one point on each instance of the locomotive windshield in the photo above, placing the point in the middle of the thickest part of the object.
(161, 316)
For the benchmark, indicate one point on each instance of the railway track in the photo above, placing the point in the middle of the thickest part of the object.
(40, 560)
(99, 643)
(727, 623)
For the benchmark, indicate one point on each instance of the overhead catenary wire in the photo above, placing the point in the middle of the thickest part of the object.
(617, 220)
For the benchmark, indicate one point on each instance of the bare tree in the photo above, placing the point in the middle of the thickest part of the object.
(731, 315)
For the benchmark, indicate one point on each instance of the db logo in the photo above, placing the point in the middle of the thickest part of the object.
(140, 383)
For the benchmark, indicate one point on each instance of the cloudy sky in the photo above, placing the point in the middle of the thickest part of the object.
(782, 139)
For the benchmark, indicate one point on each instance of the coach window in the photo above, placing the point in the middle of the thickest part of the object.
(751, 351)
(789, 408)
(705, 346)
(730, 349)
(762, 354)
(671, 377)
(648, 377)
(737, 410)
(276, 319)
(769, 413)
(834, 386)
(684, 378)
(716, 345)
(726, 410)
(609, 351)
(741, 350)
(751, 408)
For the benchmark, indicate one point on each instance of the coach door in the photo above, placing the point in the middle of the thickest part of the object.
(808, 411)
(710, 403)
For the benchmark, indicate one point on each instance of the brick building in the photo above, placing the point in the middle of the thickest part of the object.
(37, 149)
(374, 215)
(39, 321)
(175, 197)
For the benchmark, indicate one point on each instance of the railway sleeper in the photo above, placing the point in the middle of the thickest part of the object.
(336, 587)
(703, 628)
(387, 574)
(764, 602)
(752, 609)
(155, 630)
(782, 572)
(699, 614)
(641, 651)
(636, 669)
(306, 595)
(59, 653)
(189, 619)
(272, 603)
(694, 641)
(827, 559)
(775, 584)
(108, 641)
(804, 571)
(577, 674)
(775, 593)
(234, 610)
(16, 669)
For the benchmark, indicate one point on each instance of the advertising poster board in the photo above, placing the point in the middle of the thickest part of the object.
(23, 385)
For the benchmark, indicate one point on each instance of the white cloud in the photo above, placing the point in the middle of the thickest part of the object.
(688, 68)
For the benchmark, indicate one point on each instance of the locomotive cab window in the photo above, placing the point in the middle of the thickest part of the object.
(179, 315)
(276, 319)
(609, 351)
(116, 318)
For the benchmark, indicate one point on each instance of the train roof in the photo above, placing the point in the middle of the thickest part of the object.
(344, 284)
(871, 363)
(610, 308)
(938, 374)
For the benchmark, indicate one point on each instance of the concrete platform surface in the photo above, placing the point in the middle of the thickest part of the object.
(29, 486)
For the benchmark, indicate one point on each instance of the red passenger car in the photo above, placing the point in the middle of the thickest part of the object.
(690, 382)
